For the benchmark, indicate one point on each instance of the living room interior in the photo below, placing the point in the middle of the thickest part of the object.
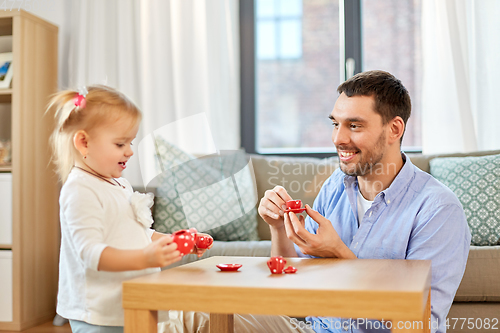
(238, 92)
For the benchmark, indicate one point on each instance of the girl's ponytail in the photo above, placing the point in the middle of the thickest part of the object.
(61, 139)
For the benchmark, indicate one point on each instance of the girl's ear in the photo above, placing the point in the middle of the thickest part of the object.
(80, 141)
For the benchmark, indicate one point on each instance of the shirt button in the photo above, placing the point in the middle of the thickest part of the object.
(370, 214)
(356, 245)
(388, 201)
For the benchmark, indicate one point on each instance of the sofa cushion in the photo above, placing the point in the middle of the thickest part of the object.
(423, 161)
(215, 194)
(481, 281)
(302, 177)
(476, 182)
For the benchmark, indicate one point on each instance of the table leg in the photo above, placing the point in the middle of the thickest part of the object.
(141, 321)
(427, 314)
(221, 323)
(415, 326)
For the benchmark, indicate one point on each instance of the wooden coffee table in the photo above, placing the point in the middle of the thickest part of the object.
(396, 290)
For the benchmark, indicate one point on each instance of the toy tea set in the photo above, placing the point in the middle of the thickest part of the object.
(186, 240)
(276, 264)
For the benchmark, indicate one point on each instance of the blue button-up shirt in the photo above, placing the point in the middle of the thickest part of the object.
(417, 217)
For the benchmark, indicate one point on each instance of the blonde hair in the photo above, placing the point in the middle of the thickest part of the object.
(103, 104)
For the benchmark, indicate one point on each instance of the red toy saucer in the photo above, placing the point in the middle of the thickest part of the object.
(228, 267)
(290, 270)
(295, 210)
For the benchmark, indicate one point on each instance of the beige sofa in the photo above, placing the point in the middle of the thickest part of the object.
(479, 293)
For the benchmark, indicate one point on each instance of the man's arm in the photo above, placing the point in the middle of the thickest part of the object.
(443, 237)
(280, 244)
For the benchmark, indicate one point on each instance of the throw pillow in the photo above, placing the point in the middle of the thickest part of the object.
(214, 194)
(476, 182)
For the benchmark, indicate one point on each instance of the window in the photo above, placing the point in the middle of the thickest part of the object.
(295, 53)
(391, 41)
(279, 29)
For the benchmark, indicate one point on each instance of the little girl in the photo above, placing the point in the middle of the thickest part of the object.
(105, 226)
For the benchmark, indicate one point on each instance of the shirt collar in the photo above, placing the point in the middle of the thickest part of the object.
(403, 178)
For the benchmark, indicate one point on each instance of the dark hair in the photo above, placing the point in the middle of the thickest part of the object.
(391, 97)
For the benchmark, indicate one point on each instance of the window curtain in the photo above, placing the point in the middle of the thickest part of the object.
(176, 59)
(460, 79)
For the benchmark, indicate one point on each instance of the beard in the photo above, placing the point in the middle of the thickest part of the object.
(368, 159)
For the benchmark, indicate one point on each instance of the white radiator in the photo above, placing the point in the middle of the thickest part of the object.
(5, 208)
(5, 285)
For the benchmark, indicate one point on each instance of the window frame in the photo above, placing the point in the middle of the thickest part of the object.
(350, 33)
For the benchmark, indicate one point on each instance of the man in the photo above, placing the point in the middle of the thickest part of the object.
(377, 204)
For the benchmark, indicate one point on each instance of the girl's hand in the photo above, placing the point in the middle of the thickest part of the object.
(198, 251)
(161, 252)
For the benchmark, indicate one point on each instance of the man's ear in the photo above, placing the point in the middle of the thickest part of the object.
(396, 129)
(80, 141)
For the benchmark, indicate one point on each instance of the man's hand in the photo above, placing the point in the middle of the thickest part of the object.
(273, 205)
(325, 243)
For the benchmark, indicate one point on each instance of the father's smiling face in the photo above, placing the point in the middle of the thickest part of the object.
(358, 134)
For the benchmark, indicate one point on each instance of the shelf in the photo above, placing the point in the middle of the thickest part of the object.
(5, 26)
(6, 168)
(5, 95)
(35, 220)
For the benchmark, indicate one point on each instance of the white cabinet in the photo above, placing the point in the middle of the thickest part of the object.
(5, 285)
(5, 209)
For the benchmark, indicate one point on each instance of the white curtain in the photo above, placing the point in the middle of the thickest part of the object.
(174, 58)
(460, 79)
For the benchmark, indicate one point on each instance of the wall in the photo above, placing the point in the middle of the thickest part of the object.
(57, 12)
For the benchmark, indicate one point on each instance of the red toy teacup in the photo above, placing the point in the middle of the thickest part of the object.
(203, 241)
(185, 241)
(294, 206)
(276, 264)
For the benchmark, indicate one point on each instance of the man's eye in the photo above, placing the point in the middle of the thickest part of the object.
(354, 126)
(335, 124)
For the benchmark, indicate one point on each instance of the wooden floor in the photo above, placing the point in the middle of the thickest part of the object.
(45, 328)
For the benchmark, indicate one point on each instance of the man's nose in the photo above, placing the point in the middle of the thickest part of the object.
(340, 136)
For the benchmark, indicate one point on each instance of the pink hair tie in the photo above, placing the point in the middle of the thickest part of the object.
(79, 99)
